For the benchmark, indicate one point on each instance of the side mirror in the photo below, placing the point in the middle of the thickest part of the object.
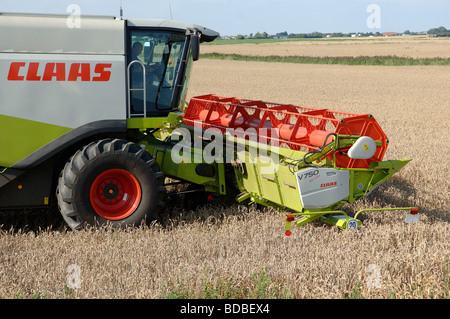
(195, 46)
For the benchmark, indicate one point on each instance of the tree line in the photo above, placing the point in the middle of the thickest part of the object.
(439, 31)
(264, 35)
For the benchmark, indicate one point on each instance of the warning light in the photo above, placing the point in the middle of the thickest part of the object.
(289, 218)
(19, 187)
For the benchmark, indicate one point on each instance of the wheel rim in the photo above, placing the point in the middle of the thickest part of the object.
(115, 194)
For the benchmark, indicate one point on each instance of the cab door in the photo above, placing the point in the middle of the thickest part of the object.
(156, 63)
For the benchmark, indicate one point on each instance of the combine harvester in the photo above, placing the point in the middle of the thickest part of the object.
(92, 120)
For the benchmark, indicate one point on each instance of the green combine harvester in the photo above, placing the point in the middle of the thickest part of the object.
(94, 118)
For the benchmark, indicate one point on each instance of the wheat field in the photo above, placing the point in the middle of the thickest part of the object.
(413, 47)
(242, 252)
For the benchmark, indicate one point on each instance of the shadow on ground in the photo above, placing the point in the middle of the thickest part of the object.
(396, 192)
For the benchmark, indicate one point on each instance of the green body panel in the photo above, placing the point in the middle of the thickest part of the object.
(158, 144)
(19, 138)
(145, 123)
(280, 187)
(275, 184)
(186, 169)
(172, 120)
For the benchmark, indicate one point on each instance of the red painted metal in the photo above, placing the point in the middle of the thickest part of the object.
(115, 194)
(294, 127)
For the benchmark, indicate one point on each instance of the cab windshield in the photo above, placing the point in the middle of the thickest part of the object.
(154, 60)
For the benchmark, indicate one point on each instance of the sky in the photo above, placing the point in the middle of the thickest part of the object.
(232, 17)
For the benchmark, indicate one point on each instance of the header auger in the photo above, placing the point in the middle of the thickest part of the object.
(94, 126)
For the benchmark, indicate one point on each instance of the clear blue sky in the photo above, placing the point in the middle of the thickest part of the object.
(231, 17)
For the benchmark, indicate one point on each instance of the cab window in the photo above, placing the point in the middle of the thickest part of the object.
(159, 53)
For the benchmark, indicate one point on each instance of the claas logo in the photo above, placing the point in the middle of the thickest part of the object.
(328, 184)
(56, 71)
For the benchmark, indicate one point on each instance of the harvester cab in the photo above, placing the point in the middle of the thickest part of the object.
(157, 61)
(93, 118)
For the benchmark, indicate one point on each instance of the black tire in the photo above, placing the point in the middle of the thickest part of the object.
(79, 191)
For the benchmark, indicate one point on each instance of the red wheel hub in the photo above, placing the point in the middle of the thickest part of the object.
(115, 194)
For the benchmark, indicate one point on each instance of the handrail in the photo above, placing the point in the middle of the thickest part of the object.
(143, 89)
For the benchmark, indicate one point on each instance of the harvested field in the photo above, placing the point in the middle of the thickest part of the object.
(414, 47)
(241, 252)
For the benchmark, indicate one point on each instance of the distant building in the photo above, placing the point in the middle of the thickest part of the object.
(389, 34)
